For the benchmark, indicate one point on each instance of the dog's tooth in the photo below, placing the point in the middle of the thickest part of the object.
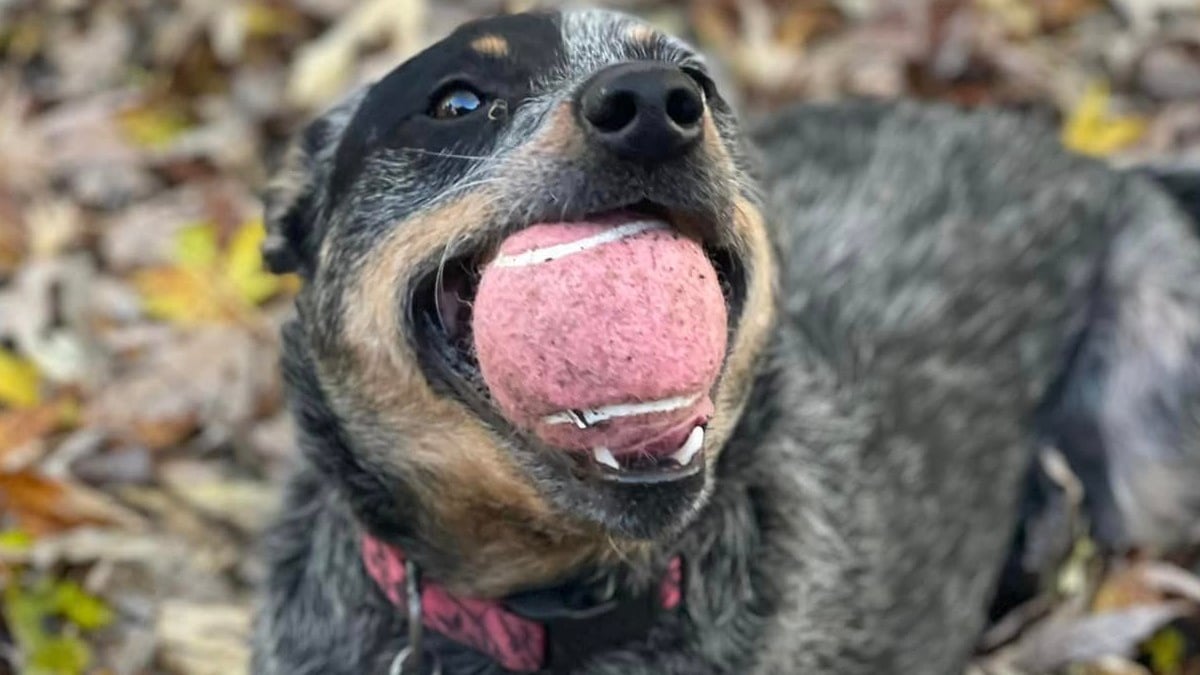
(604, 456)
(690, 448)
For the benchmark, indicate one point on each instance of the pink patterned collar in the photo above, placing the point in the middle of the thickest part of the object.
(515, 642)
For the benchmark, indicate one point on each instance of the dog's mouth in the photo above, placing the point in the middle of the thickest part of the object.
(573, 339)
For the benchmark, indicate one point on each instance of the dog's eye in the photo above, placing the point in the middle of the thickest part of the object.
(455, 101)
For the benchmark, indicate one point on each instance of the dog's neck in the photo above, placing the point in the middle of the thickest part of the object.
(494, 551)
(485, 549)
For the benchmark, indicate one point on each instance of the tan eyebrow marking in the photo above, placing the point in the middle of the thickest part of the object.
(642, 34)
(490, 45)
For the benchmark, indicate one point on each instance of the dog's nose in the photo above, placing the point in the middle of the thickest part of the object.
(648, 112)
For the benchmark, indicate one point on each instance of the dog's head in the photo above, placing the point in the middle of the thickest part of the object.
(392, 203)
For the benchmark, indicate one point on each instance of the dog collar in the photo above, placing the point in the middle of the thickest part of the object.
(546, 630)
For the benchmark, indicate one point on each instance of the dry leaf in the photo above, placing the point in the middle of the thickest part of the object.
(1127, 587)
(40, 505)
(51, 322)
(323, 68)
(1092, 129)
(205, 639)
(22, 426)
(1065, 640)
(216, 376)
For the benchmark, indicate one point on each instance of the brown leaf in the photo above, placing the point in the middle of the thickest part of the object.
(1127, 587)
(216, 377)
(40, 505)
(22, 426)
(1057, 14)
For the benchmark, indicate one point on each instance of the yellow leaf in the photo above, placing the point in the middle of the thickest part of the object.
(180, 295)
(15, 540)
(208, 285)
(153, 126)
(1091, 129)
(264, 20)
(244, 264)
(84, 610)
(19, 381)
(196, 246)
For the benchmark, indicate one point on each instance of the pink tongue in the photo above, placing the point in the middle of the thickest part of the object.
(618, 327)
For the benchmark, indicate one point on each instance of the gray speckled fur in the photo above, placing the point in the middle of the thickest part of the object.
(938, 270)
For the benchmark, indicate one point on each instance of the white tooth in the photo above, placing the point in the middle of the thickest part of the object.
(691, 447)
(605, 457)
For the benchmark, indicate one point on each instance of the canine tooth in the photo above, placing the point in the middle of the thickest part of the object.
(691, 446)
(605, 457)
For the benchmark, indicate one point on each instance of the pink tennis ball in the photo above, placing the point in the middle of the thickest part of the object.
(584, 316)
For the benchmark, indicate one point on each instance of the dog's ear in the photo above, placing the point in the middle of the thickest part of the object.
(295, 196)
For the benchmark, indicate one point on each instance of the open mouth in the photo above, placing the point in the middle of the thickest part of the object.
(599, 342)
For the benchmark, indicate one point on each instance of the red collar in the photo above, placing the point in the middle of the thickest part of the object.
(513, 641)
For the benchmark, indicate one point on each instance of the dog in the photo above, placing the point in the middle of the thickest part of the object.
(914, 299)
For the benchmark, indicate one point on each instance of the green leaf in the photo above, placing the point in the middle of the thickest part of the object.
(1167, 651)
(28, 609)
(15, 541)
(66, 655)
(84, 610)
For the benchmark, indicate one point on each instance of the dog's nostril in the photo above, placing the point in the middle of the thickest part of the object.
(684, 107)
(613, 112)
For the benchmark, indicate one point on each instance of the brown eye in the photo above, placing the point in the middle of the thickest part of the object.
(455, 102)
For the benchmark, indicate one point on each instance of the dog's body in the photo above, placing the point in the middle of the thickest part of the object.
(932, 280)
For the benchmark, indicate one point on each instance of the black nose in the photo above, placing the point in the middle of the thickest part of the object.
(649, 112)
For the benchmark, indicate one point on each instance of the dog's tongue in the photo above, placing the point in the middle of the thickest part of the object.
(607, 333)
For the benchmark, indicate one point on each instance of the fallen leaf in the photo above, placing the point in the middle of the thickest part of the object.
(40, 505)
(153, 126)
(77, 606)
(15, 541)
(1056, 14)
(215, 377)
(1127, 587)
(31, 609)
(54, 225)
(1167, 650)
(1092, 129)
(19, 381)
(246, 504)
(1058, 643)
(51, 302)
(208, 285)
(205, 639)
(21, 426)
(324, 67)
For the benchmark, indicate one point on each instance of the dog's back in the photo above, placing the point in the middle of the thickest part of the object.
(944, 270)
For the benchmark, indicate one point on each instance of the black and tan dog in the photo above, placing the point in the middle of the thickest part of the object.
(906, 289)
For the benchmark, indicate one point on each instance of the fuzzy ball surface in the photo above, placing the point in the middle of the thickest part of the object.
(624, 321)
